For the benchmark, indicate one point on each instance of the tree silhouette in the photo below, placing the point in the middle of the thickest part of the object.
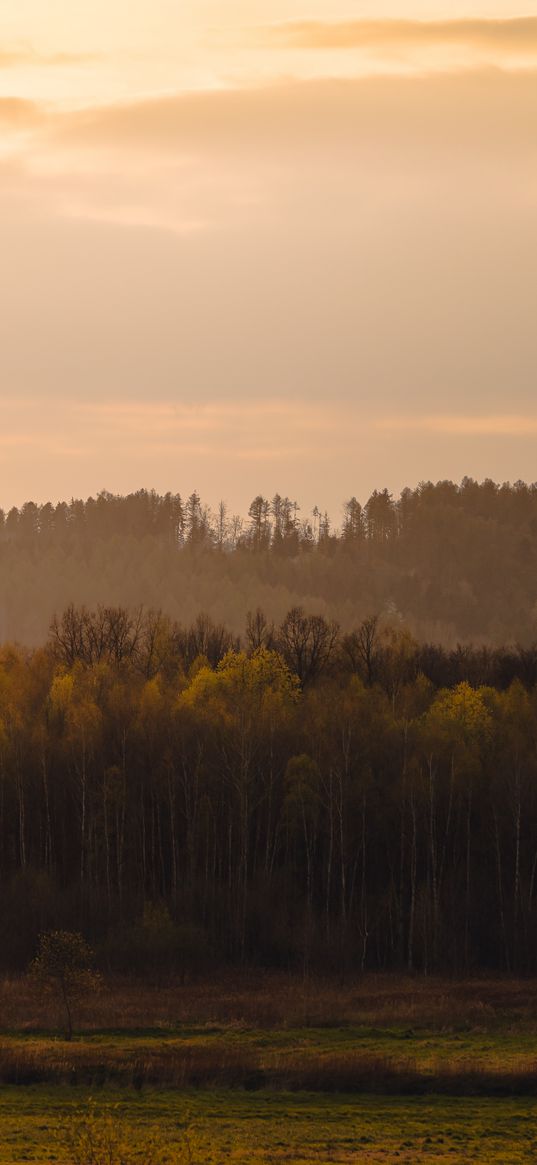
(63, 966)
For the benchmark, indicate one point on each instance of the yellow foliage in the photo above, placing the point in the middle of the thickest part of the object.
(91, 1137)
(461, 713)
(151, 697)
(84, 719)
(239, 677)
(61, 692)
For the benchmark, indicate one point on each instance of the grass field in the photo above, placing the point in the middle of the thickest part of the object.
(269, 1069)
(269, 1000)
(269, 1128)
(353, 1059)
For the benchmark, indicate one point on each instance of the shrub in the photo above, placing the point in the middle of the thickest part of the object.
(91, 1137)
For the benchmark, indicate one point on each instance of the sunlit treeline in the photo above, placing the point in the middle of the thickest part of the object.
(301, 798)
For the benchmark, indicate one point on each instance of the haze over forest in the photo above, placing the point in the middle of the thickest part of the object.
(444, 562)
(283, 791)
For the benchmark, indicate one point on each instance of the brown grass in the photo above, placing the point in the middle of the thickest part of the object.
(269, 1000)
(30, 1050)
(55, 1062)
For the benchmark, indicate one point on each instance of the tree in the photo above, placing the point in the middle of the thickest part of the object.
(63, 966)
(363, 648)
(380, 516)
(237, 706)
(208, 639)
(301, 809)
(308, 643)
(258, 513)
(353, 522)
(259, 632)
(222, 525)
(455, 730)
(197, 522)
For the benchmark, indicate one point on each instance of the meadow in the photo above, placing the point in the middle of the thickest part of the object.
(269, 1068)
(267, 1128)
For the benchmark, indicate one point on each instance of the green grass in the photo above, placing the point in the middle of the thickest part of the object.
(267, 1128)
(234, 1037)
(422, 1044)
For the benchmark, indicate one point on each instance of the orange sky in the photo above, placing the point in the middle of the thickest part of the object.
(252, 246)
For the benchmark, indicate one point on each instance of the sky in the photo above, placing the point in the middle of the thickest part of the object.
(266, 247)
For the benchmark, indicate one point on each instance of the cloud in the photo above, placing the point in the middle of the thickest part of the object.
(128, 436)
(24, 56)
(498, 106)
(135, 217)
(371, 243)
(266, 423)
(236, 420)
(16, 112)
(317, 452)
(463, 426)
(233, 418)
(517, 35)
(196, 163)
(130, 433)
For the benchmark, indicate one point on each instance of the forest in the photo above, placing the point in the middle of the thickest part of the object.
(454, 563)
(300, 797)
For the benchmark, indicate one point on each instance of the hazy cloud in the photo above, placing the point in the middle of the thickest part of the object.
(463, 426)
(77, 447)
(518, 35)
(247, 427)
(213, 417)
(232, 420)
(26, 55)
(301, 119)
(365, 250)
(16, 112)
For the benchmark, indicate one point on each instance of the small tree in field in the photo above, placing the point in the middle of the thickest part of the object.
(63, 966)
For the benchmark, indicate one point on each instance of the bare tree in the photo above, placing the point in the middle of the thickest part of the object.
(308, 643)
(208, 638)
(363, 648)
(259, 632)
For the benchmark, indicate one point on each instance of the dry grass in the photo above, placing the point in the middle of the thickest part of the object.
(376, 1034)
(224, 1067)
(270, 1000)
